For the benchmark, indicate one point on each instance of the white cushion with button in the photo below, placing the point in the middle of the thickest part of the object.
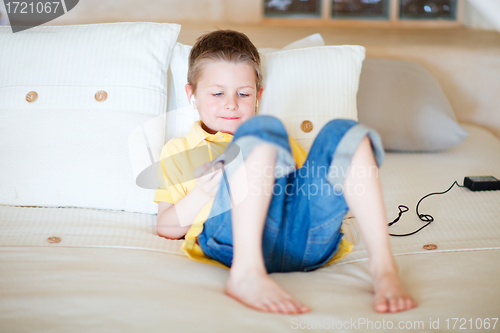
(96, 84)
(315, 84)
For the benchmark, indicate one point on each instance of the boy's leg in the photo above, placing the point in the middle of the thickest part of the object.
(248, 281)
(363, 194)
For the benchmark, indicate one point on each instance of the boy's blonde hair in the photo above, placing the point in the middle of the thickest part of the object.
(222, 45)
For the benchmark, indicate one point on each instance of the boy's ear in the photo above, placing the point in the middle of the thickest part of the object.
(189, 90)
(190, 96)
(259, 93)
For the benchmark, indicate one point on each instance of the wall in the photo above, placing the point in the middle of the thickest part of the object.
(474, 19)
(229, 11)
(95, 11)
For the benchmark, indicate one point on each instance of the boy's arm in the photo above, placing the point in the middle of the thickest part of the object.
(165, 209)
(174, 220)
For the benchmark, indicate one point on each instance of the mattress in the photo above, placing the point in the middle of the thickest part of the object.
(109, 270)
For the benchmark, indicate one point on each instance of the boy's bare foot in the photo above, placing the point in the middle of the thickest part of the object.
(390, 295)
(258, 291)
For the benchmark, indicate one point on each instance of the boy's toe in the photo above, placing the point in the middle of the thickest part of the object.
(262, 307)
(303, 309)
(272, 307)
(401, 303)
(281, 307)
(291, 307)
(381, 305)
(393, 304)
(410, 303)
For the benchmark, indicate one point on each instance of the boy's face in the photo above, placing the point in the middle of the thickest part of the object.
(226, 96)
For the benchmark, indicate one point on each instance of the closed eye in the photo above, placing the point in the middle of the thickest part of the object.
(220, 94)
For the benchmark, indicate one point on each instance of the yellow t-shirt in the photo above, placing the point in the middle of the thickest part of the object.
(181, 156)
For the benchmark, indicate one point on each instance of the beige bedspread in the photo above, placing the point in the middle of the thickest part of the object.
(111, 272)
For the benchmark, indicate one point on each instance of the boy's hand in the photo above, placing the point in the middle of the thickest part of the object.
(208, 177)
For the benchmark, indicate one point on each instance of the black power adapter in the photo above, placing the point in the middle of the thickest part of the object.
(482, 183)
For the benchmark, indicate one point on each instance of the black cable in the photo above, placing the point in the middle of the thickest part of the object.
(423, 217)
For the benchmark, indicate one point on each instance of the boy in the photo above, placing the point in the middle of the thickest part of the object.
(268, 231)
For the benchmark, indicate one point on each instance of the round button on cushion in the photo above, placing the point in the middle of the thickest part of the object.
(306, 126)
(430, 246)
(31, 97)
(101, 96)
(53, 239)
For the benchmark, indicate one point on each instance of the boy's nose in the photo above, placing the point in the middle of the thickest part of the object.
(231, 103)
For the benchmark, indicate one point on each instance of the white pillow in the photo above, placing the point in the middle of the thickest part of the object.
(67, 148)
(313, 84)
(309, 41)
(178, 104)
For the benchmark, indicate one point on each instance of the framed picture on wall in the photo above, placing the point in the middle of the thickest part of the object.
(292, 8)
(445, 13)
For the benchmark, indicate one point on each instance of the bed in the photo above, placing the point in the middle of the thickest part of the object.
(78, 261)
